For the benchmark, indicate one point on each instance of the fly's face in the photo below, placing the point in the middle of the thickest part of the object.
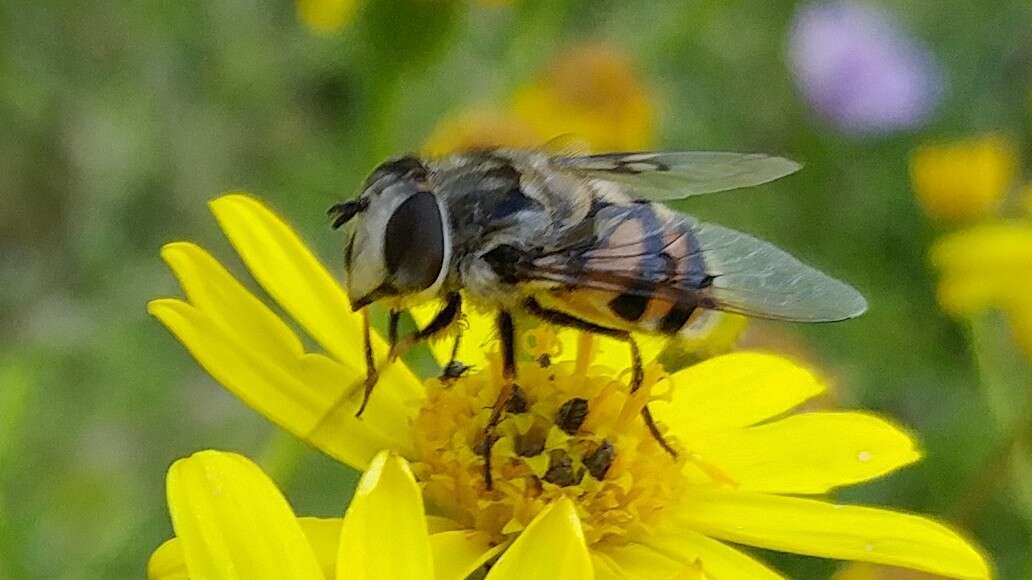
(398, 243)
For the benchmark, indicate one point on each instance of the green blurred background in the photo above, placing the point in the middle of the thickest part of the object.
(118, 121)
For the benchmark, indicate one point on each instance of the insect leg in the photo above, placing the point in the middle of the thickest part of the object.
(454, 369)
(441, 321)
(637, 378)
(507, 332)
(637, 367)
(372, 376)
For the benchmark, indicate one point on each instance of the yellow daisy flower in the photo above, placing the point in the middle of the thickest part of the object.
(988, 266)
(590, 96)
(593, 93)
(571, 446)
(480, 129)
(964, 180)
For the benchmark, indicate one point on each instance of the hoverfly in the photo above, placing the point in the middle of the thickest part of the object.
(578, 241)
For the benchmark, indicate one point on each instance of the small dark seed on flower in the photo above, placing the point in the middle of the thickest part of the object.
(518, 401)
(571, 415)
(600, 459)
(560, 469)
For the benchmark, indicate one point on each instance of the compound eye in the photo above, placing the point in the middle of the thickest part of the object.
(413, 244)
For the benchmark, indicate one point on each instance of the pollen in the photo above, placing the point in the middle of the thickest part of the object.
(572, 430)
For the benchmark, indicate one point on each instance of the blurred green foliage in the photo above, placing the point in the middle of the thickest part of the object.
(119, 120)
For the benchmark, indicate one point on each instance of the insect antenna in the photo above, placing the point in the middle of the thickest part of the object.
(342, 213)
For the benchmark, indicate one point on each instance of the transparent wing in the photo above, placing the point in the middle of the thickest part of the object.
(676, 175)
(714, 267)
(756, 278)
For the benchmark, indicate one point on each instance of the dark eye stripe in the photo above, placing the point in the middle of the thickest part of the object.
(414, 243)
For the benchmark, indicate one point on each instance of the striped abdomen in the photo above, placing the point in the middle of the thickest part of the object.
(643, 271)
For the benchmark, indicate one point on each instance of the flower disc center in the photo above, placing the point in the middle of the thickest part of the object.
(571, 430)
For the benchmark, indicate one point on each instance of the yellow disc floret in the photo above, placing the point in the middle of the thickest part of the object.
(572, 429)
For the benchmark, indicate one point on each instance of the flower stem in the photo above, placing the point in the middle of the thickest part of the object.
(1004, 381)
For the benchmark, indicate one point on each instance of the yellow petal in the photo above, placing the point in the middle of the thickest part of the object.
(459, 553)
(817, 528)
(808, 453)
(438, 524)
(966, 179)
(292, 275)
(323, 535)
(384, 534)
(214, 291)
(868, 571)
(552, 547)
(667, 553)
(734, 390)
(167, 563)
(296, 393)
(233, 523)
(983, 266)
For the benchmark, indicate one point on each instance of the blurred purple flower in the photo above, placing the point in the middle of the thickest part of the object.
(860, 70)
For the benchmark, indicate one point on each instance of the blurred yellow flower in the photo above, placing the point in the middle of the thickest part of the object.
(593, 496)
(590, 96)
(984, 266)
(593, 93)
(964, 180)
(326, 16)
(480, 129)
(988, 266)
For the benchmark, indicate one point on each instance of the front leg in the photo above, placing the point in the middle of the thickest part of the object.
(454, 369)
(372, 375)
(507, 333)
(439, 323)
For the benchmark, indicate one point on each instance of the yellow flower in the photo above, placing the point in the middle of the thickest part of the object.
(988, 266)
(231, 522)
(572, 446)
(480, 129)
(589, 99)
(964, 180)
(984, 266)
(593, 93)
(326, 16)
